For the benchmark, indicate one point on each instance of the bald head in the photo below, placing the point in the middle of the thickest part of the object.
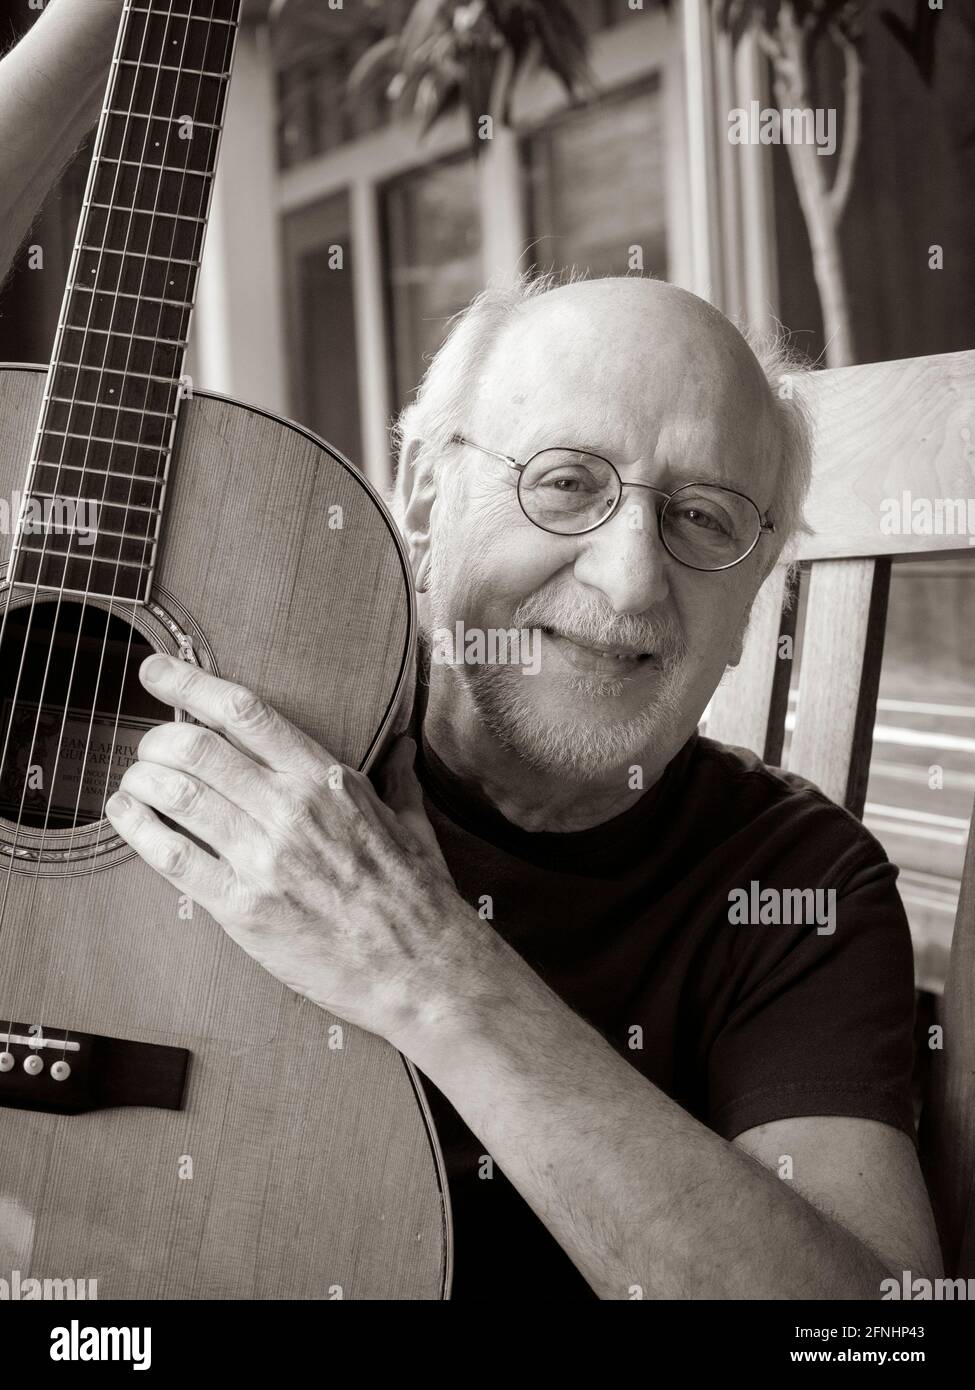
(627, 366)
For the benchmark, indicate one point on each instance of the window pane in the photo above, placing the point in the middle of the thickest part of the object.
(596, 188)
(433, 261)
(922, 774)
(324, 378)
(922, 768)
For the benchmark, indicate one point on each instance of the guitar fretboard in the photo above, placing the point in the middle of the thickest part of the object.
(104, 440)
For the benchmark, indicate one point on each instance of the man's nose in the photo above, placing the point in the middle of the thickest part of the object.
(625, 558)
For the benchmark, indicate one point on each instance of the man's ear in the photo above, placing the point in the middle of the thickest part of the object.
(414, 494)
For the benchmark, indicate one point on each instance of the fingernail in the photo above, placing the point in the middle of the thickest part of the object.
(153, 669)
(118, 804)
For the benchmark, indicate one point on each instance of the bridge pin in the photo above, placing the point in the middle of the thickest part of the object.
(33, 1064)
(60, 1071)
(6, 1061)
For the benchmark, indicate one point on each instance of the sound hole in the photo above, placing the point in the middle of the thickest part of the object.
(72, 712)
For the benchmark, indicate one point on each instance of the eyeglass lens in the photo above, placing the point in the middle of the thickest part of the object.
(568, 492)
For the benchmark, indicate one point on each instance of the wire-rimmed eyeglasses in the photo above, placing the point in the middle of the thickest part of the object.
(568, 491)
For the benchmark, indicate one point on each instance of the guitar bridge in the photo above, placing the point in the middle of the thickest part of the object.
(68, 1073)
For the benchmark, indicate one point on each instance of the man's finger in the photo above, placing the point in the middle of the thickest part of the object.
(248, 721)
(189, 802)
(187, 867)
(402, 793)
(204, 754)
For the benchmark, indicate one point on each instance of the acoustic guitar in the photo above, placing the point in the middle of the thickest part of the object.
(174, 1123)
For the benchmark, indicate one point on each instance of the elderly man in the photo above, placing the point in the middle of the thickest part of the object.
(650, 1078)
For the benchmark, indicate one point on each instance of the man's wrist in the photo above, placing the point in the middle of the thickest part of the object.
(461, 1007)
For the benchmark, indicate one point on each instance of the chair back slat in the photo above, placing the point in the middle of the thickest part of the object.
(748, 708)
(893, 440)
(948, 1124)
(839, 675)
(893, 477)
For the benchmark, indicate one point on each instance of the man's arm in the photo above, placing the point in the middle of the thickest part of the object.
(51, 86)
(642, 1196)
(347, 899)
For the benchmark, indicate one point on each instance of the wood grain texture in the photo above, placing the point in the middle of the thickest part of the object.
(748, 708)
(881, 430)
(839, 676)
(948, 1125)
(313, 1167)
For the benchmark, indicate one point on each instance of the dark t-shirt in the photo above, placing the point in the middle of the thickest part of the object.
(629, 923)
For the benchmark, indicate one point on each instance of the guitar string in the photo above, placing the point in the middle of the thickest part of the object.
(113, 597)
(189, 18)
(129, 626)
(123, 30)
(123, 34)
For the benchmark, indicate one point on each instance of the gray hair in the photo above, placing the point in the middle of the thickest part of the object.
(439, 409)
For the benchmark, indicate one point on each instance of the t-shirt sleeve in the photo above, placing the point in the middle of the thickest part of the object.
(822, 1023)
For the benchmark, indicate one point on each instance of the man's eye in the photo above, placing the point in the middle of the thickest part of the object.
(577, 481)
(706, 521)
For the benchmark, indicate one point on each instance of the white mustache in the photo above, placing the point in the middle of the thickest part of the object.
(594, 625)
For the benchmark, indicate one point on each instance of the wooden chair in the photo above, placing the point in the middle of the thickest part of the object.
(881, 430)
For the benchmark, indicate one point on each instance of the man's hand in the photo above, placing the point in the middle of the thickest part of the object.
(343, 897)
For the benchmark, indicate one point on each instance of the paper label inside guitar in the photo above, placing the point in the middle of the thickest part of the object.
(78, 759)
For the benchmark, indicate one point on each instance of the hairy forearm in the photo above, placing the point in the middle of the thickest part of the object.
(50, 90)
(638, 1193)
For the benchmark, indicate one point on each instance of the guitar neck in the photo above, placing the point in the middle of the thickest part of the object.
(113, 392)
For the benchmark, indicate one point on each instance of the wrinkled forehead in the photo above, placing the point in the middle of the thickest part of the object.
(635, 369)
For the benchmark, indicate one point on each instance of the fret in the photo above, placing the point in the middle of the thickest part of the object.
(71, 575)
(128, 187)
(144, 460)
(146, 164)
(118, 352)
(159, 141)
(112, 517)
(130, 273)
(145, 298)
(171, 120)
(90, 309)
(102, 371)
(149, 212)
(89, 386)
(130, 230)
(214, 11)
(149, 91)
(101, 485)
(221, 13)
(101, 405)
(108, 423)
(166, 260)
(185, 39)
(132, 552)
(183, 68)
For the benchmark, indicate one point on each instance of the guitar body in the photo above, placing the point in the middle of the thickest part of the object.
(303, 1163)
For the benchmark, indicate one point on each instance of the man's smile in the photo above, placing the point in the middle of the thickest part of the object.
(612, 661)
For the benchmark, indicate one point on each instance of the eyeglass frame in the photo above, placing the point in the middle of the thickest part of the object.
(765, 525)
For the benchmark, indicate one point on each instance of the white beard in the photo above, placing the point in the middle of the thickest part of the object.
(585, 747)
